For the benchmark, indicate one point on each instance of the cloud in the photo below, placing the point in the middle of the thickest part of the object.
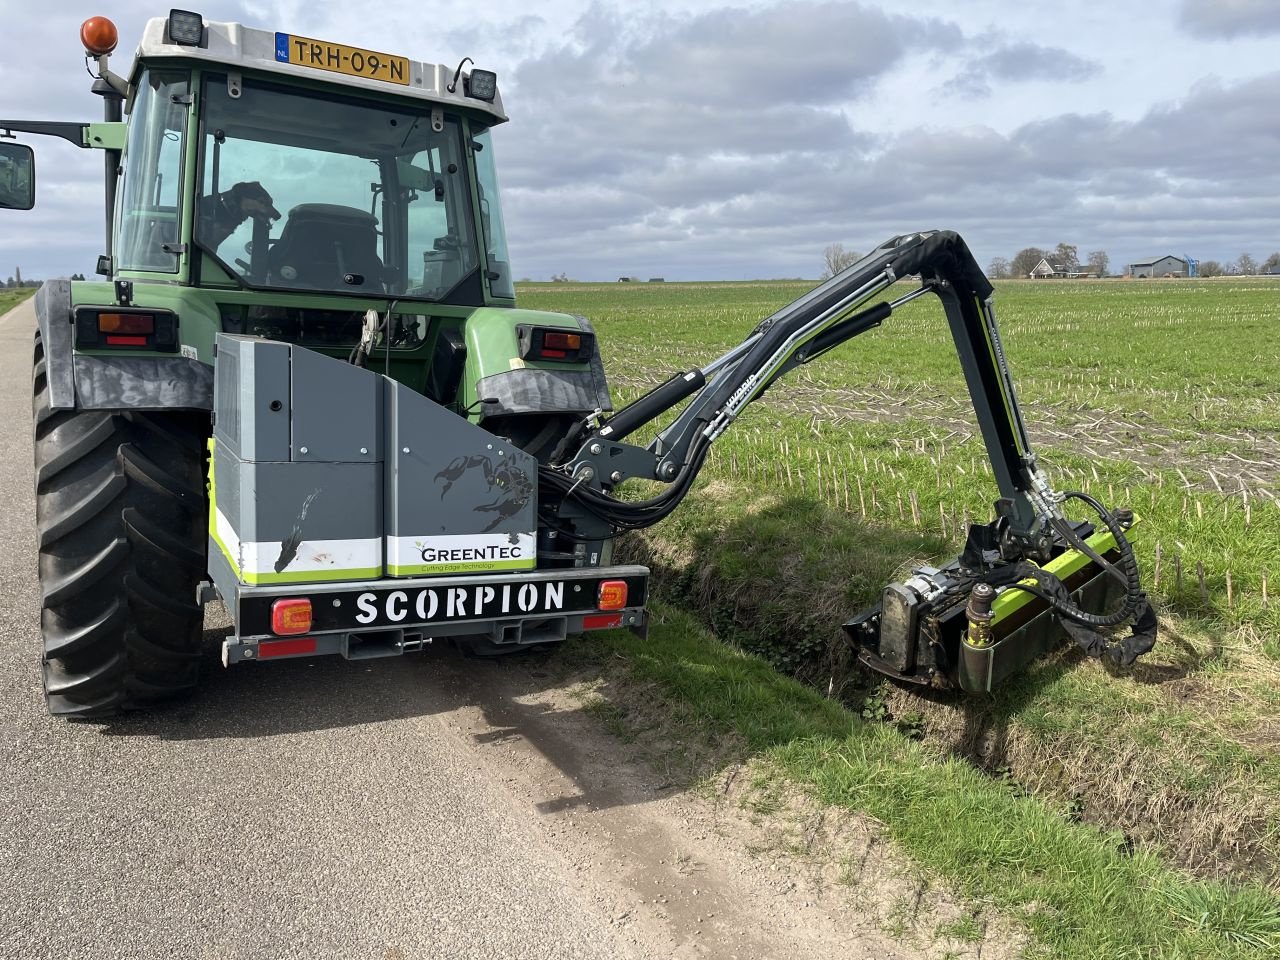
(1227, 19)
(1017, 62)
(713, 141)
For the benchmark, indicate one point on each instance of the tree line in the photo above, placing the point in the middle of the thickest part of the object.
(17, 281)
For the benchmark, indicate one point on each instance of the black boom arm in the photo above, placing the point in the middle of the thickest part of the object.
(825, 317)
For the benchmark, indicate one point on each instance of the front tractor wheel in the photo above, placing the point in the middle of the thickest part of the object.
(120, 517)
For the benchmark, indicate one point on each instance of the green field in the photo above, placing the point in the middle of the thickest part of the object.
(1161, 395)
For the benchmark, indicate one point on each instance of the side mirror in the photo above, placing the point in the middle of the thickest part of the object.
(17, 176)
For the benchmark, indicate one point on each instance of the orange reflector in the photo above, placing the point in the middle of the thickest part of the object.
(613, 595)
(290, 616)
(99, 36)
(286, 648)
(133, 323)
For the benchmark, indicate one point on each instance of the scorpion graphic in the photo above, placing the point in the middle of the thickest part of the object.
(514, 487)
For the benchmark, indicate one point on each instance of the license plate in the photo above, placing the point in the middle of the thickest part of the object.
(337, 58)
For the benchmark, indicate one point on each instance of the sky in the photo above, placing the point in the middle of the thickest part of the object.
(728, 141)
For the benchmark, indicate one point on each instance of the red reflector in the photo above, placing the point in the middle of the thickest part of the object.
(114, 341)
(561, 341)
(135, 323)
(291, 616)
(553, 354)
(286, 648)
(602, 621)
(613, 595)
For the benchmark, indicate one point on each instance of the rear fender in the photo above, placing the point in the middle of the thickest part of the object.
(510, 385)
(112, 383)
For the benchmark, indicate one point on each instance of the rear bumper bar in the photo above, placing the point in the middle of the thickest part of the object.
(380, 618)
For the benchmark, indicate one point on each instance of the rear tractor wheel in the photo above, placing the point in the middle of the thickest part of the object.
(120, 517)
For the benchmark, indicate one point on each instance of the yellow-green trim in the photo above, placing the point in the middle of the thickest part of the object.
(309, 576)
(1061, 566)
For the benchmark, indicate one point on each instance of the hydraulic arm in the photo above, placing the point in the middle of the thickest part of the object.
(1016, 554)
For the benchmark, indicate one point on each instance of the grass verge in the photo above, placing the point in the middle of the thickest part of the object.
(868, 460)
(1081, 891)
(1178, 753)
(11, 298)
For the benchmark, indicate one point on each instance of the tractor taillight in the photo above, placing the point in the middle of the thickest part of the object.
(560, 344)
(99, 327)
(136, 324)
(613, 595)
(554, 343)
(290, 617)
(99, 36)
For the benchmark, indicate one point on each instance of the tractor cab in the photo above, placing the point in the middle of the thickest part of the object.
(268, 163)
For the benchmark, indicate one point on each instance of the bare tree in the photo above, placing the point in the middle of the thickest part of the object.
(999, 269)
(1099, 262)
(1271, 264)
(1025, 260)
(836, 258)
(1246, 265)
(1067, 255)
(1210, 268)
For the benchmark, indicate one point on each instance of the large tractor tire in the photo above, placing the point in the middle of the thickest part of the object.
(121, 521)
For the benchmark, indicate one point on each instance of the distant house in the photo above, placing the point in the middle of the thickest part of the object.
(1044, 270)
(1167, 266)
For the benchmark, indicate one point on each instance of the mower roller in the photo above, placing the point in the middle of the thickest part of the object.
(304, 388)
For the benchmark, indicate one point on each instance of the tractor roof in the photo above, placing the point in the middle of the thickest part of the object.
(234, 45)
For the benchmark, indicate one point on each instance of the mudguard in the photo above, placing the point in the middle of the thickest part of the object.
(112, 383)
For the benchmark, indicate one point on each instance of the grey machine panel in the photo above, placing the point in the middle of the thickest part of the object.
(282, 515)
(326, 471)
(251, 397)
(458, 498)
(334, 410)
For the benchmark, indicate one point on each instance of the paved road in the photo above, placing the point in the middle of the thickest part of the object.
(308, 809)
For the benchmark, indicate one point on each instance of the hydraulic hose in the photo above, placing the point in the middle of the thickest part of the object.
(1126, 572)
(631, 514)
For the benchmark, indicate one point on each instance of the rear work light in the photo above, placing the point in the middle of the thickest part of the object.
(613, 595)
(555, 343)
(482, 85)
(290, 617)
(185, 28)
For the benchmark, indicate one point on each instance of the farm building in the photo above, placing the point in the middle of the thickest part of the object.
(1062, 271)
(1168, 266)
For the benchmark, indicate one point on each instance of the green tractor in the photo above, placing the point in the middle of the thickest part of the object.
(304, 388)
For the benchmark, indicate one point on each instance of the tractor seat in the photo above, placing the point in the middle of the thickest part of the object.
(322, 243)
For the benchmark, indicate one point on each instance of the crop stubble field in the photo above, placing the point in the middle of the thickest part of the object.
(1162, 395)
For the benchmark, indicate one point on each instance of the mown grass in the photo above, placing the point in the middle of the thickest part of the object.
(1162, 395)
(11, 298)
(1080, 890)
